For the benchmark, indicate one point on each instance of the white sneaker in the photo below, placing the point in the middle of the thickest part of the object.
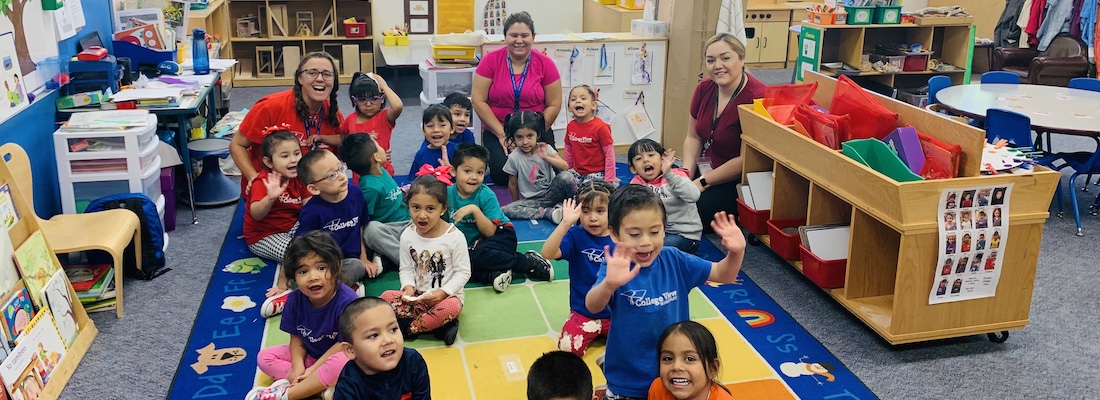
(378, 261)
(277, 391)
(501, 282)
(328, 393)
(361, 290)
(556, 215)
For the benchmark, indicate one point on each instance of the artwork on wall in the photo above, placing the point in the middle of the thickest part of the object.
(29, 24)
(12, 77)
(455, 16)
(494, 15)
(420, 16)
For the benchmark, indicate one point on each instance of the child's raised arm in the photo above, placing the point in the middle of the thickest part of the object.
(681, 186)
(733, 240)
(570, 213)
(619, 272)
(396, 106)
(275, 188)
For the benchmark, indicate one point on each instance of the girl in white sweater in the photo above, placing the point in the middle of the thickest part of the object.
(652, 167)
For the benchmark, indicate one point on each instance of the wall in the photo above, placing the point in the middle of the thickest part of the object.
(33, 127)
(549, 16)
(985, 12)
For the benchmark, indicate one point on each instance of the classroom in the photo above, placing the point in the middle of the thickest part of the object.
(865, 190)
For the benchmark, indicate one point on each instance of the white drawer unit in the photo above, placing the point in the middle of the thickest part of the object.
(97, 163)
(438, 83)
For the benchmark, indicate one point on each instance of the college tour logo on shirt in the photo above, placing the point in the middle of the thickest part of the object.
(594, 255)
(637, 298)
(338, 224)
(394, 194)
(286, 198)
(579, 139)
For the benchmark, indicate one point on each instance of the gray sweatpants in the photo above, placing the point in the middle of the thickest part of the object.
(563, 186)
(352, 270)
(385, 238)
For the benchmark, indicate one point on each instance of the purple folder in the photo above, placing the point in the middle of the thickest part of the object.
(905, 142)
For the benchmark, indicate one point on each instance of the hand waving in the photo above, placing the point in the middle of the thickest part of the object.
(274, 184)
(667, 160)
(543, 153)
(570, 212)
(726, 227)
(619, 270)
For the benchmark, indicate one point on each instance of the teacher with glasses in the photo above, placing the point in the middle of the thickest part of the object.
(510, 80)
(309, 109)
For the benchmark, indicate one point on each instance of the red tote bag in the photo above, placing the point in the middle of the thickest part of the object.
(869, 118)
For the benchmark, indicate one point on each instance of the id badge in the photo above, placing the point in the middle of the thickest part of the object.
(703, 164)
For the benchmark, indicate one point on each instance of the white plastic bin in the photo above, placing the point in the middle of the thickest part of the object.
(438, 83)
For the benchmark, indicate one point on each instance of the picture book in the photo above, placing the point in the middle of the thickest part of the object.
(8, 214)
(18, 312)
(83, 277)
(20, 374)
(60, 303)
(8, 274)
(37, 264)
(101, 286)
(42, 349)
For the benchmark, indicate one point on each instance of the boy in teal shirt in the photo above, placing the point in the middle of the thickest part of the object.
(389, 215)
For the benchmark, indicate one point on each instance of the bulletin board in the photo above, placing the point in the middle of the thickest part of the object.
(621, 71)
(34, 38)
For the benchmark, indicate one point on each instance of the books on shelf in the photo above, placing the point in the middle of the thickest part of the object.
(83, 277)
(17, 314)
(9, 276)
(60, 303)
(827, 242)
(111, 119)
(36, 263)
(8, 214)
(101, 288)
(37, 354)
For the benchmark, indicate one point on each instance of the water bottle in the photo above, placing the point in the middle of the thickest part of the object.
(199, 57)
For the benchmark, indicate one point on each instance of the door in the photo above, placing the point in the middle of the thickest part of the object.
(753, 42)
(774, 38)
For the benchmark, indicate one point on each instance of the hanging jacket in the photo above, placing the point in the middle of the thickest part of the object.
(1055, 21)
(1006, 33)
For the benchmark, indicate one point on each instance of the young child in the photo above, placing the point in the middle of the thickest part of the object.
(989, 262)
(965, 243)
(949, 221)
(980, 245)
(589, 148)
(532, 171)
(474, 209)
(996, 216)
(437, 130)
(647, 285)
(652, 167)
(313, 359)
(983, 220)
(687, 352)
(431, 294)
(995, 241)
(272, 206)
(964, 220)
(583, 247)
(977, 263)
(950, 244)
(951, 200)
(968, 199)
(332, 210)
(559, 375)
(382, 367)
(389, 216)
(370, 94)
(460, 107)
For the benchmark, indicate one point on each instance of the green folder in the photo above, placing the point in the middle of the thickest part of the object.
(876, 154)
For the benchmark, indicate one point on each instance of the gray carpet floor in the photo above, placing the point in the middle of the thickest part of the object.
(1053, 358)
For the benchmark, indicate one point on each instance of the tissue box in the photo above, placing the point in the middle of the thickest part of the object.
(81, 99)
(646, 28)
(632, 4)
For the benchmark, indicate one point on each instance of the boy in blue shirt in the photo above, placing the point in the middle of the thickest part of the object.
(647, 286)
(389, 216)
(474, 209)
(460, 107)
(335, 212)
(437, 130)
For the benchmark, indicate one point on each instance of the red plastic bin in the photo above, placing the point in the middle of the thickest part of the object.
(826, 274)
(355, 29)
(756, 221)
(785, 244)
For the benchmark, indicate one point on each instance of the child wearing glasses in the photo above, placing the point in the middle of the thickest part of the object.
(370, 94)
(336, 212)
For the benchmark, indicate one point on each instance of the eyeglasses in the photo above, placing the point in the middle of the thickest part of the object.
(335, 175)
(312, 74)
(375, 99)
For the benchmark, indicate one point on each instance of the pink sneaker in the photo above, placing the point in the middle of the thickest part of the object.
(277, 391)
(274, 305)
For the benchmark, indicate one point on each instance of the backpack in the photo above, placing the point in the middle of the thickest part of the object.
(152, 235)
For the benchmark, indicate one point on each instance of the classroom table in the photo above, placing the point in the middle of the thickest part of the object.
(405, 56)
(1051, 108)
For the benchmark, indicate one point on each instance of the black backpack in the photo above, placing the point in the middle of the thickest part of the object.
(152, 235)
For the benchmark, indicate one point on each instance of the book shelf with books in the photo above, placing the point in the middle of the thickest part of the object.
(46, 332)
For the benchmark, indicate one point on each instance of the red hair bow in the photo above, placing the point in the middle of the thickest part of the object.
(277, 127)
(443, 173)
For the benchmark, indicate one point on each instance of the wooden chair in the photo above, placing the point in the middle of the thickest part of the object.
(110, 231)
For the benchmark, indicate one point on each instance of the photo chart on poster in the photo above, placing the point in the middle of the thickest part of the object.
(973, 225)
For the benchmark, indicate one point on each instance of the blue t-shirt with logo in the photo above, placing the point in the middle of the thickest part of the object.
(341, 220)
(640, 311)
(430, 157)
(584, 252)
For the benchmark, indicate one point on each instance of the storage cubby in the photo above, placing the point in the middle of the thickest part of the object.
(894, 239)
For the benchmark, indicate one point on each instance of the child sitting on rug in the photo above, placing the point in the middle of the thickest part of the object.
(460, 107)
(382, 367)
(589, 148)
(559, 375)
(583, 247)
(431, 292)
(437, 132)
(313, 359)
(272, 206)
(389, 216)
(652, 166)
(647, 285)
(332, 210)
(369, 94)
(532, 171)
(474, 209)
(688, 352)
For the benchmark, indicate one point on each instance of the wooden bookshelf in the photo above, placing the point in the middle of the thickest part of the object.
(894, 231)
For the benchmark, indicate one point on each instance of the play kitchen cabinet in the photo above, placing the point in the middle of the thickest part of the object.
(766, 38)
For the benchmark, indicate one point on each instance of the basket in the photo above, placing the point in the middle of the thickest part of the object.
(785, 244)
(827, 274)
(833, 18)
(887, 15)
(355, 29)
(453, 52)
(756, 221)
(858, 15)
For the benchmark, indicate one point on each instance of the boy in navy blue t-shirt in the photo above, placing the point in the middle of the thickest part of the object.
(333, 211)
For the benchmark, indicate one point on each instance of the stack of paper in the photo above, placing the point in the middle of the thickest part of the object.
(757, 191)
(115, 119)
(827, 242)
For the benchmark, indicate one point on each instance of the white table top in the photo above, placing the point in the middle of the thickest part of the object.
(1051, 108)
(411, 55)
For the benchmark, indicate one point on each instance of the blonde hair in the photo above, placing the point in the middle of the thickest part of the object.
(731, 40)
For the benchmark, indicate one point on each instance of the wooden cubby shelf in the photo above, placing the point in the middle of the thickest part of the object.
(894, 231)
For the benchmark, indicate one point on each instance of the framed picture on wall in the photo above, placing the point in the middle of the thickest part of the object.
(420, 16)
(418, 7)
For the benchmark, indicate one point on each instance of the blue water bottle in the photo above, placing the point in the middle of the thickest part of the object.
(199, 57)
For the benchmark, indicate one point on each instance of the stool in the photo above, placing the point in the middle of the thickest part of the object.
(212, 187)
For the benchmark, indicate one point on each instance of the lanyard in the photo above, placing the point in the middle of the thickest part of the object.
(314, 121)
(717, 116)
(523, 79)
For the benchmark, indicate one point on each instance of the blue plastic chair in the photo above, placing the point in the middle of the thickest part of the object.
(1083, 163)
(1001, 77)
(1008, 125)
(1090, 84)
(934, 85)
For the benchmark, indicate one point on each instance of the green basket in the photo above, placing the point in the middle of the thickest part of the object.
(876, 154)
(859, 15)
(887, 15)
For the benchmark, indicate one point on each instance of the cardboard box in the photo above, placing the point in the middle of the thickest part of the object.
(645, 28)
(81, 99)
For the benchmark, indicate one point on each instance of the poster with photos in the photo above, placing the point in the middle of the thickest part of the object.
(973, 226)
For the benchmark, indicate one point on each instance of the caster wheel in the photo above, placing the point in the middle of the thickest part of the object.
(753, 240)
(1060, 214)
(998, 337)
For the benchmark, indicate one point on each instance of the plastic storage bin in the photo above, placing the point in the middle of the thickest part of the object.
(94, 186)
(756, 221)
(833, 18)
(887, 15)
(858, 15)
(438, 83)
(916, 61)
(355, 29)
(96, 163)
(897, 61)
(453, 52)
(827, 274)
(785, 244)
(879, 157)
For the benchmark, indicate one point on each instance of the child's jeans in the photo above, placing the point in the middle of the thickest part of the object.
(579, 331)
(385, 238)
(491, 256)
(680, 242)
(424, 319)
(275, 362)
(561, 187)
(272, 247)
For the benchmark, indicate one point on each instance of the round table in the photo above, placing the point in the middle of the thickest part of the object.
(1051, 108)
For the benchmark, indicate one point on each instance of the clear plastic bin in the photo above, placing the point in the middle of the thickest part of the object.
(84, 192)
(438, 83)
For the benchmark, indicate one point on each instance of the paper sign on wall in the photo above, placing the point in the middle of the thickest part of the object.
(973, 225)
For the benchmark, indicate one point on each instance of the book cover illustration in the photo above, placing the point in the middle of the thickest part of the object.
(83, 277)
(8, 214)
(36, 262)
(8, 274)
(38, 352)
(18, 313)
(61, 305)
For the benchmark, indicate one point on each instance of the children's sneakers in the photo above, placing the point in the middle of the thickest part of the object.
(501, 281)
(361, 290)
(447, 333)
(274, 305)
(378, 261)
(328, 393)
(277, 391)
(556, 215)
(539, 268)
